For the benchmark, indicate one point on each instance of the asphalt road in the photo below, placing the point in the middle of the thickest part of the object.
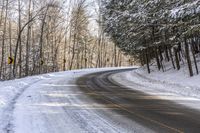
(161, 116)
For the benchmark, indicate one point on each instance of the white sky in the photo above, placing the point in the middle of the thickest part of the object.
(92, 10)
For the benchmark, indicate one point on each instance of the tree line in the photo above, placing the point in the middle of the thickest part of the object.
(156, 32)
(44, 36)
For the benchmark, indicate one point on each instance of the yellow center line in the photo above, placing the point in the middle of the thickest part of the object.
(139, 115)
(146, 118)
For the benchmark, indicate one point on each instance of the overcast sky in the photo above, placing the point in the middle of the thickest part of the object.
(92, 10)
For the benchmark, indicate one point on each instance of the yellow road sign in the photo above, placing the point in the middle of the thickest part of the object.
(42, 62)
(10, 60)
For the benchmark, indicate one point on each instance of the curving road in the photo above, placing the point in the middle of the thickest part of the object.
(157, 115)
(89, 101)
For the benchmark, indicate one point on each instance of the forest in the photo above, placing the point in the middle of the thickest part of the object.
(156, 31)
(41, 36)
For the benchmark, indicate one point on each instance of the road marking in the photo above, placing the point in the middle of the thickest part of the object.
(138, 115)
(78, 106)
(146, 118)
(68, 85)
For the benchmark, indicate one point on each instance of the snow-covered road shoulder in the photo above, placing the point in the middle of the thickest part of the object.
(10, 91)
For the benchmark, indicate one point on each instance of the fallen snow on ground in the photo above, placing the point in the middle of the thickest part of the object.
(11, 91)
(171, 85)
(53, 103)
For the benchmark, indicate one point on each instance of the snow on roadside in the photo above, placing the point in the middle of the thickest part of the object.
(8, 89)
(170, 85)
(177, 82)
(11, 91)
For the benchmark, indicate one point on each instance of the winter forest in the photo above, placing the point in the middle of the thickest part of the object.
(156, 32)
(41, 36)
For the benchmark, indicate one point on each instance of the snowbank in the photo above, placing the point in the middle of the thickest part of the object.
(171, 85)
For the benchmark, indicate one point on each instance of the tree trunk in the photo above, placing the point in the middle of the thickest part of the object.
(3, 42)
(147, 60)
(193, 55)
(188, 57)
(167, 53)
(64, 58)
(171, 57)
(10, 37)
(28, 41)
(176, 59)
(20, 41)
(157, 58)
(41, 42)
